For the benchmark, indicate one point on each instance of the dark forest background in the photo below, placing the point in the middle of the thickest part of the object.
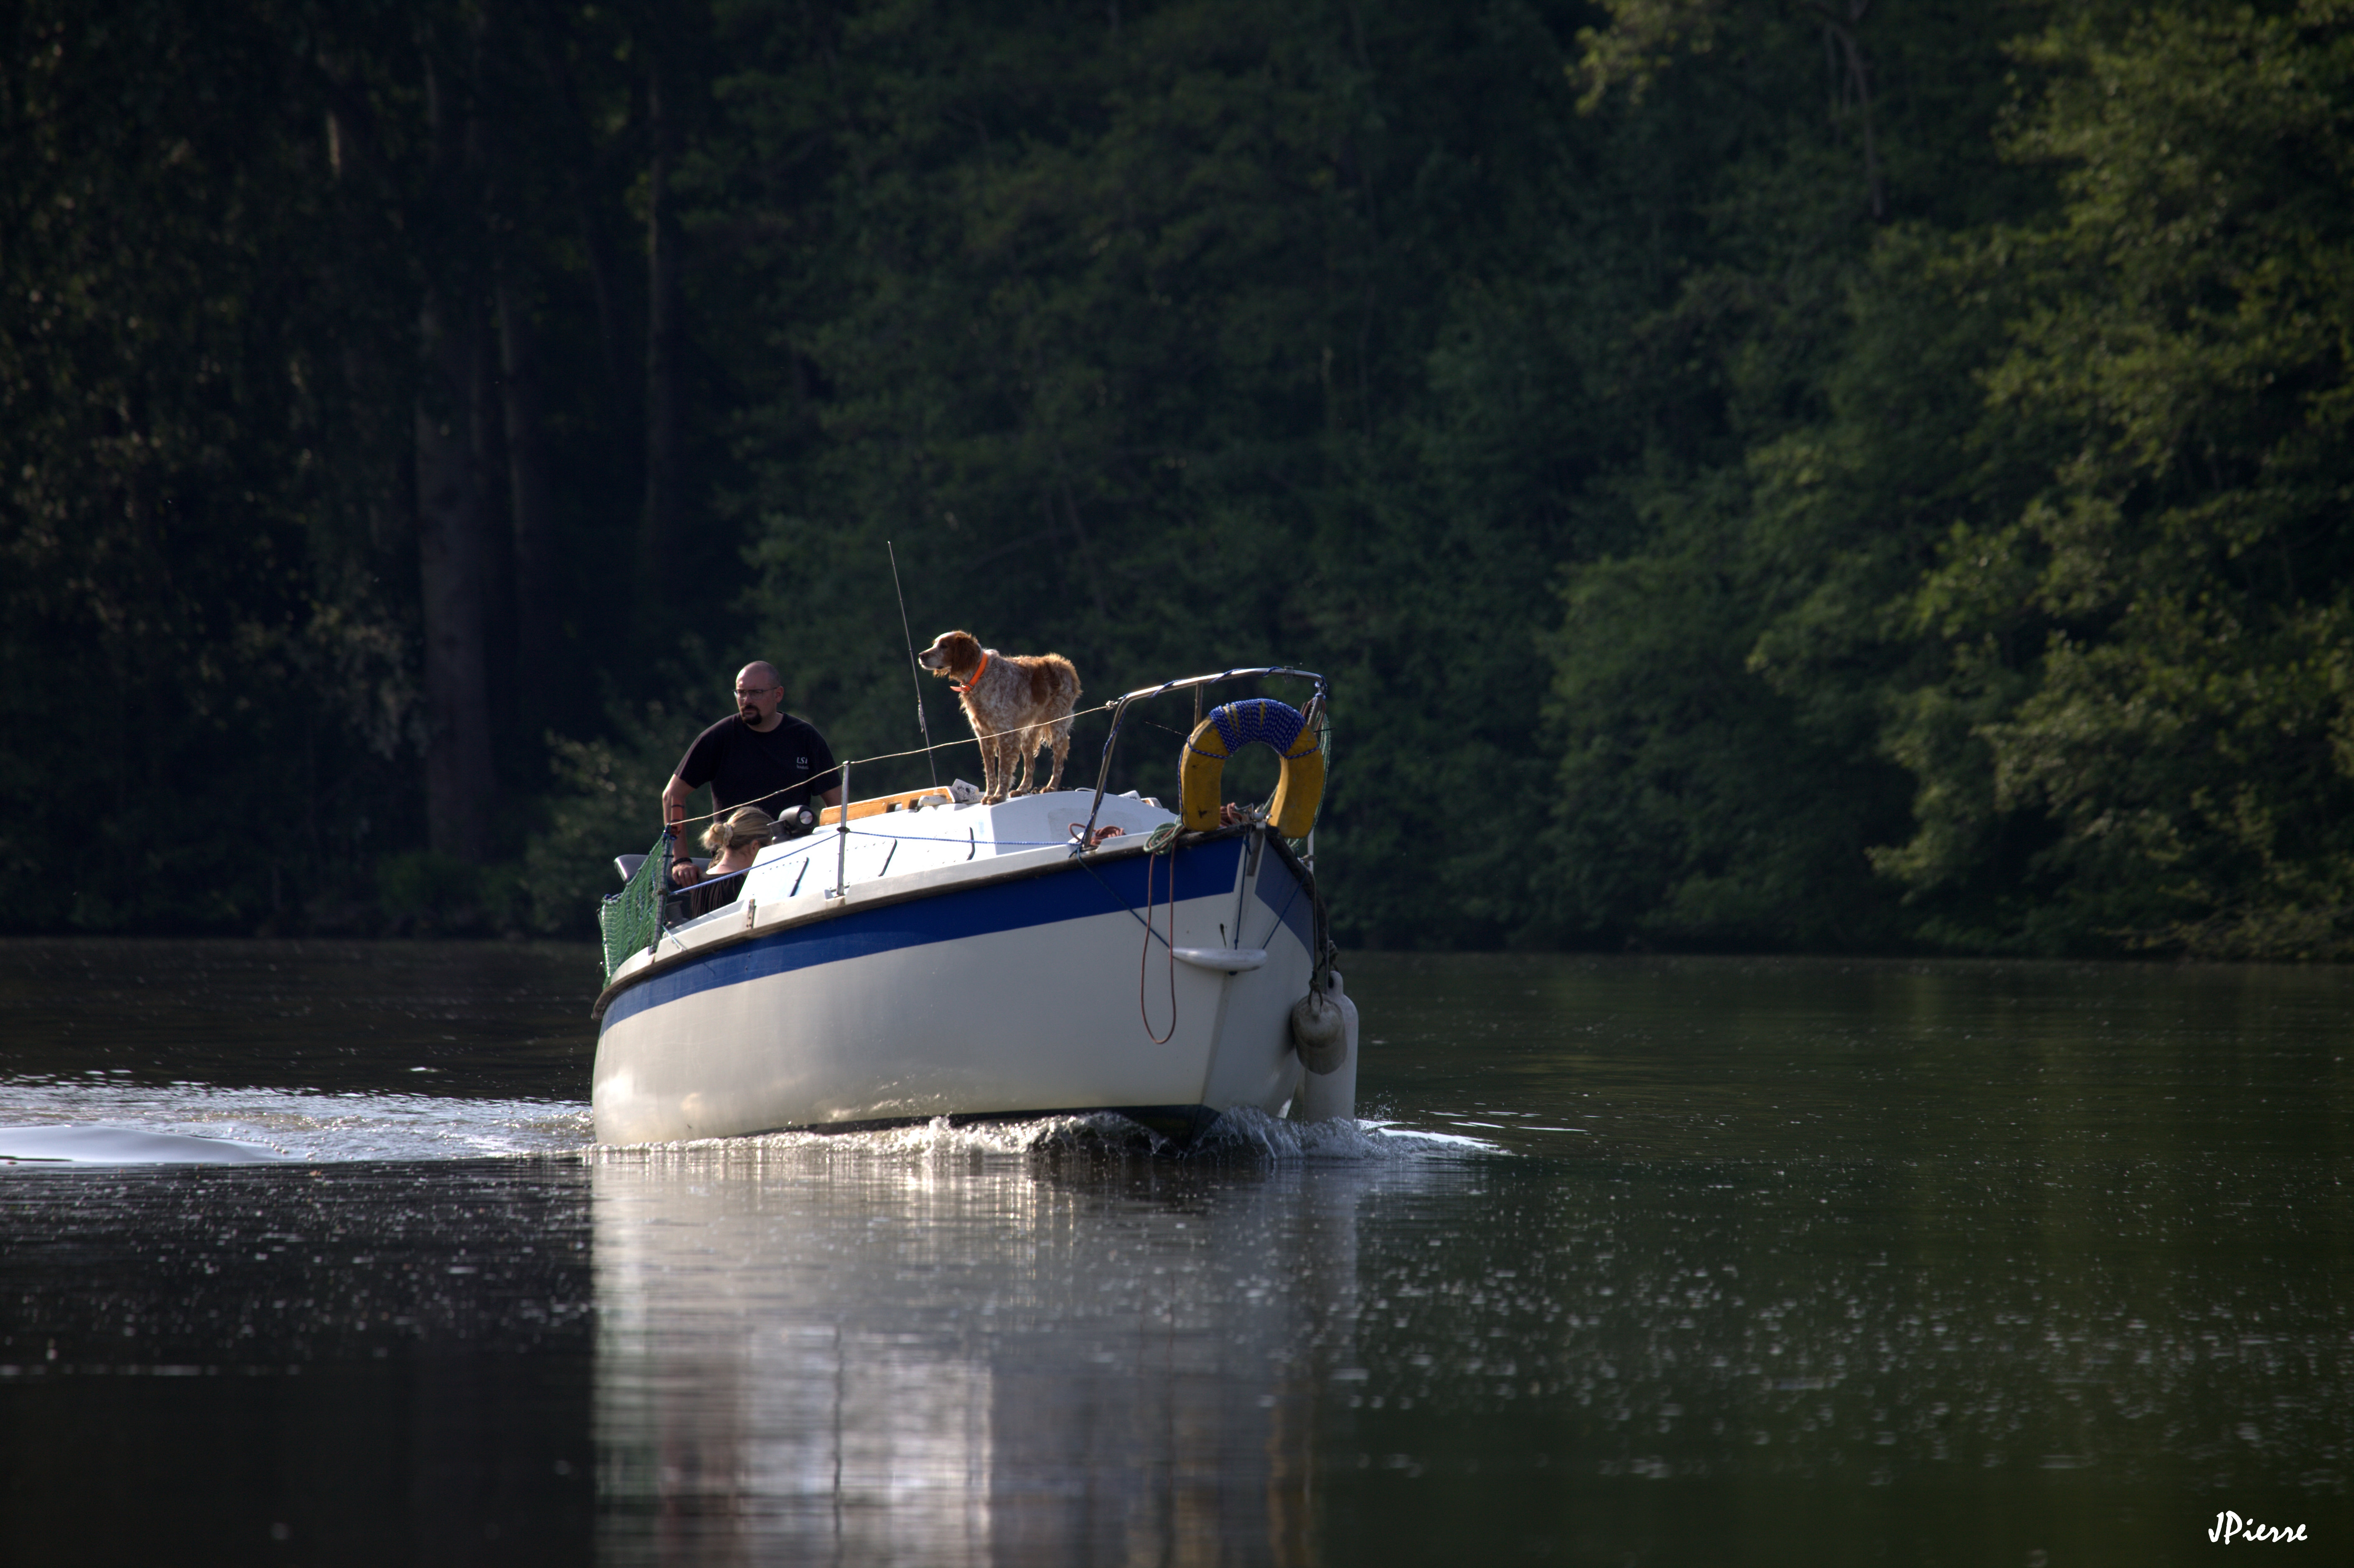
(1840, 474)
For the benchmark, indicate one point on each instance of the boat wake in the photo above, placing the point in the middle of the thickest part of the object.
(114, 1122)
(1243, 1133)
(1272, 1137)
(101, 1145)
(48, 1123)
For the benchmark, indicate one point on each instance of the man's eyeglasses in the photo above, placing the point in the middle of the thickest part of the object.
(756, 691)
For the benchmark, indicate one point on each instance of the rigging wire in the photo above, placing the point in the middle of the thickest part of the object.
(923, 726)
(919, 752)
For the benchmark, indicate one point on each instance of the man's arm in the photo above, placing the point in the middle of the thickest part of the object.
(830, 794)
(675, 797)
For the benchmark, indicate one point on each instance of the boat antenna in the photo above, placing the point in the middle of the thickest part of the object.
(922, 726)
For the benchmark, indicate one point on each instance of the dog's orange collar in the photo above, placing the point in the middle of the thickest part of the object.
(976, 676)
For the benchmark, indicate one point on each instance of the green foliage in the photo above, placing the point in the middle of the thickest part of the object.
(2040, 507)
(2146, 659)
(198, 700)
(1760, 473)
(1125, 330)
(1641, 44)
(1722, 684)
(424, 893)
(606, 803)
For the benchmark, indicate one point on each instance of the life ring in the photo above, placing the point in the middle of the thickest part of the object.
(1226, 730)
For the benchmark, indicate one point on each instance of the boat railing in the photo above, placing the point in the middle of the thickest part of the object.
(1196, 683)
(634, 919)
(698, 898)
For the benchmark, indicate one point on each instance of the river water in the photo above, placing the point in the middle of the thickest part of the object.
(1630, 1261)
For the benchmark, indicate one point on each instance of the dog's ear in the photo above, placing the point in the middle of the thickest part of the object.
(964, 650)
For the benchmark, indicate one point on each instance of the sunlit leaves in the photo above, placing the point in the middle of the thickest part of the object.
(2171, 609)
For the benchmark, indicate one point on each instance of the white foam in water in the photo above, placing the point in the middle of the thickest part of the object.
(1422, 1135)
(104, 1120)
(1252, 1133)
(72, 1145)
(1276, 1138)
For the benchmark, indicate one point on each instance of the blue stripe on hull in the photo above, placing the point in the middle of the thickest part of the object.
(1281, 891)
(1072, 893)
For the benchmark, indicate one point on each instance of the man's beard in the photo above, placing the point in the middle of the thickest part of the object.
(751, 714)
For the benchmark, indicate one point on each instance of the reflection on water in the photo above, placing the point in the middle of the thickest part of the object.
(1761, 1262)
(461, 1021)
(291, 1363)
(1043, 1344)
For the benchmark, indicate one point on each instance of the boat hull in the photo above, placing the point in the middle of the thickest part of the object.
(1006, 994)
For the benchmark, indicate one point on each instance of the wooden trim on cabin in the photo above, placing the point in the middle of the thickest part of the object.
(831, 816)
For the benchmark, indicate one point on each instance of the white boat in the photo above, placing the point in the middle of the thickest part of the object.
(921, 957)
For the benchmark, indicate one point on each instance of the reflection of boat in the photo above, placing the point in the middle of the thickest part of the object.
(931, 957)
(961, 1355)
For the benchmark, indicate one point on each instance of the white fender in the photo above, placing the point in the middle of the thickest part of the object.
(1323, 1097)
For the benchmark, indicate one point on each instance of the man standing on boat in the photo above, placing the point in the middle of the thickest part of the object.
(760, 756)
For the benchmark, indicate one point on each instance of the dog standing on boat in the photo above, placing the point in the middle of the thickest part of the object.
(1017, 704)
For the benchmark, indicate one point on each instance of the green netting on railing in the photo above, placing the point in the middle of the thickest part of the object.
(631, 918)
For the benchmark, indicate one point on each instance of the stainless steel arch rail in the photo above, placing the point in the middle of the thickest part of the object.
(1317, 704)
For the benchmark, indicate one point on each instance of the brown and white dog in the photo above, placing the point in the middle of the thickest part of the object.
(1017, 704)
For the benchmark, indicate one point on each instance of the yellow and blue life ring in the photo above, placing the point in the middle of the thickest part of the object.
(1261, 721)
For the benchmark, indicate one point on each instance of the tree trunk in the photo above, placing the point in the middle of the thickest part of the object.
(531, 499)
(1854, 71)
(459, 783)
(579, 159)
(658, 542)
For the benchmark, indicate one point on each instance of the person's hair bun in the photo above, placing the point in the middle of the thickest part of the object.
(744, 825)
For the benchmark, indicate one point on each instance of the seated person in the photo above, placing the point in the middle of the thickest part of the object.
(734, 842)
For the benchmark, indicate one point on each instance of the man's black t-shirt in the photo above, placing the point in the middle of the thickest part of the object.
(783, 768)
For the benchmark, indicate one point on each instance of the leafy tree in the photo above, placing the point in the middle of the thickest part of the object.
(1722, 680)
(300, 480)
(1122, 324)
(202, 671)
(2147, 661)
(1761, 473)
